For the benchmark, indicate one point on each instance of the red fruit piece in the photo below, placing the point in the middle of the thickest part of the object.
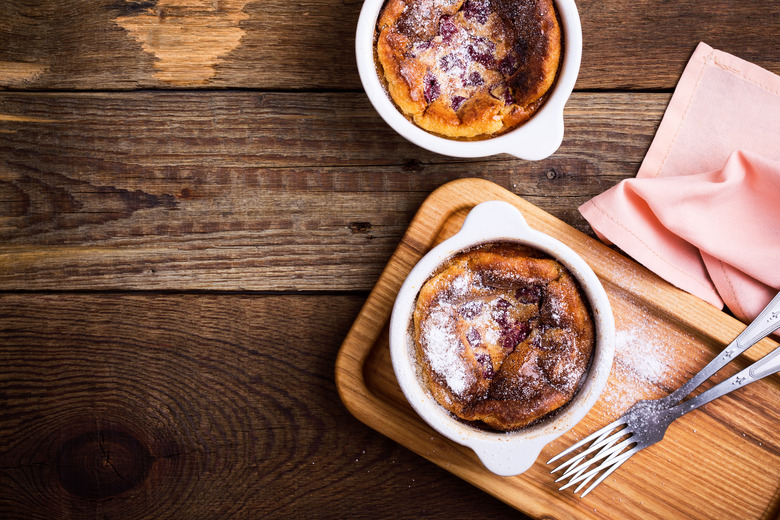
(502, 92)
(473, 337)
(432, 89)
(529, 294)
(477, 10)
(449, 62)
(457, 102)
(500, 313)
(447, 28)
(514, 335)
(469, 309)
(487, 366)
(418, 47)
(508, 65)
(481, 51)
(473, 80)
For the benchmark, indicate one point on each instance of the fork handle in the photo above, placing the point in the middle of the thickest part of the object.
(765, 323)
(765, 366)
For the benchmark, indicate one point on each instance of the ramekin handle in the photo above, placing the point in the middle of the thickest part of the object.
(544, 141)
(494, 219)
(509, 459)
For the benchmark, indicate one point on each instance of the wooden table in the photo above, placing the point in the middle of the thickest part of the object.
(196, 198)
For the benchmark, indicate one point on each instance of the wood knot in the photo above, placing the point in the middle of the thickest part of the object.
(360, 227)
(102, 463)
(130, 7)
(552, 174)
(188, 194)
(412, 165)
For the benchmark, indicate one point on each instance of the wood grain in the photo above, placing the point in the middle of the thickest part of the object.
(195, 406)
(234, 191)
(693, 473)
(195, 192)
(129, 44)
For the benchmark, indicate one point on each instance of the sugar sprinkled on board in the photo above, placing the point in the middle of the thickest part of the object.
(641, 353)
(647, 358)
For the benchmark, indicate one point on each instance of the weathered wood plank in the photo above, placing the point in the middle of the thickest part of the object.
(197, 406)
(127, 44)
(238, 190)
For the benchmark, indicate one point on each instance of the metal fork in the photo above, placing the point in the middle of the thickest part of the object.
(645, 423)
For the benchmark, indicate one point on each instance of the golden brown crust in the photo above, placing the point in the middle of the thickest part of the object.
(502, 336)
(468, 69)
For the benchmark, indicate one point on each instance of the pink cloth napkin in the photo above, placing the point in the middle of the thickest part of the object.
(704, 210)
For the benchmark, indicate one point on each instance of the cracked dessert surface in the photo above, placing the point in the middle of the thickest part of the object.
(503, 336)
(468, 68)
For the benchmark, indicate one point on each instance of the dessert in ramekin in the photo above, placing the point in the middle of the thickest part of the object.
(498, 227)
(503, 335)
(510, 103)
(468, 69)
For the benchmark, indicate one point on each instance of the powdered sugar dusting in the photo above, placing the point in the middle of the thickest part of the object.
(486, 325)
(650, 358)
(495, 338)
(443, 350)
(642, 354)
(460, 285)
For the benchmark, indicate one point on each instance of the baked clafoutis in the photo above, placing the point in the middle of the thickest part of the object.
(468, 69)
(502, 336)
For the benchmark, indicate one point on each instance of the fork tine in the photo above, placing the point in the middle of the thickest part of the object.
(597, 444)
(573, 472)
(606, 455)
(582, 479)
(603, 432)
(614, 466)
(581, 464)
(616, 457)
(607, 452)
(599, 448)
(604, 441)
(582, 472)
(573, 481)
(585, 475)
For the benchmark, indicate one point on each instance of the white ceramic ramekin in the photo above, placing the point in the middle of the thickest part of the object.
(514, 452)
(536, 139)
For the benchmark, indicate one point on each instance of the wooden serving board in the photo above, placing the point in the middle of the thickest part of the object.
(720, 461)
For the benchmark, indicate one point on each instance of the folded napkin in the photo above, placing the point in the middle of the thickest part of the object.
(704, 210)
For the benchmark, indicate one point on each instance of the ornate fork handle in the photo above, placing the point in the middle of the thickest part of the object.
(766, 366)
(646, 422)
(766, 322)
